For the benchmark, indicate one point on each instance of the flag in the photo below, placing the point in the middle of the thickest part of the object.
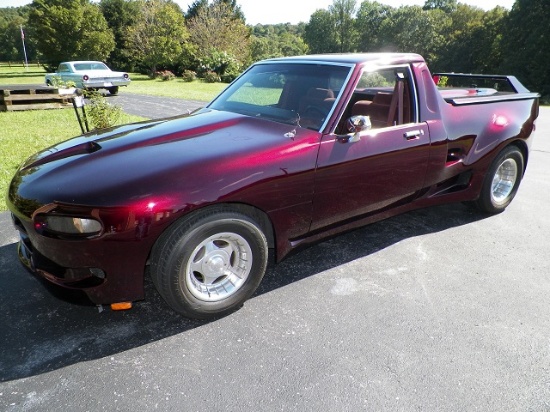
(22, 33)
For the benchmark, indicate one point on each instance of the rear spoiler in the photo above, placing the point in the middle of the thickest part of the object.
(505, 88)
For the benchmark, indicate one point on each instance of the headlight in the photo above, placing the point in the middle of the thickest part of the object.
(67, 225)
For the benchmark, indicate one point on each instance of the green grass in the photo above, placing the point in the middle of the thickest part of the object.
(25, 133)
(261, 96)
(18, 74)
(196, 90)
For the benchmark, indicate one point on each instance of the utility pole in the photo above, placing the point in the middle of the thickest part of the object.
(24, 48)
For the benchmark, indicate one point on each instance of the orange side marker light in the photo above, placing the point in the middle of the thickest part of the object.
(121, 306)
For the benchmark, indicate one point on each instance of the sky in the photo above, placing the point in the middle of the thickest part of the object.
(295, 11)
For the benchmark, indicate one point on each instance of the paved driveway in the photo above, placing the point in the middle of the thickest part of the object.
(153, 107)
(441, 309)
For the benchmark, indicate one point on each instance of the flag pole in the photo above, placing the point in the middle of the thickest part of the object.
(24, 48)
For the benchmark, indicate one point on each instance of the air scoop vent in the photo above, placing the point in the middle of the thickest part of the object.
(52, 154)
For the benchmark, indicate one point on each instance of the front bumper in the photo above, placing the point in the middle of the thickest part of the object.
(102, 270)
(81, 278)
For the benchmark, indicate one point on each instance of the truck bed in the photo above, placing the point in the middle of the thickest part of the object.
(461, 89)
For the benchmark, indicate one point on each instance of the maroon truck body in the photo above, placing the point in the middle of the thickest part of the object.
(298, 178)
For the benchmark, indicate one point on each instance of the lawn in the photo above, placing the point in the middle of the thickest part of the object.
(18, 74)
(24, 133)
(196, 90)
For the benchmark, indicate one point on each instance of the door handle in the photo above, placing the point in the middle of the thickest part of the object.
(413, 134)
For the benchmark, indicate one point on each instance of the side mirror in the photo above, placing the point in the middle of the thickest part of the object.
(355, 125)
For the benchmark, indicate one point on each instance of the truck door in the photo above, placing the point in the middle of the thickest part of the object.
(384, 165)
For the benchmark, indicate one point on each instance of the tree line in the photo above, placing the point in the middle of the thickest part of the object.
(213, 37)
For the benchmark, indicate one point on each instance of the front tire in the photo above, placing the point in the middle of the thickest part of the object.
(502, 181)
(209, 263)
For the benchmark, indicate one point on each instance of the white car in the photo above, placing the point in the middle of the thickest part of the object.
(88, 75)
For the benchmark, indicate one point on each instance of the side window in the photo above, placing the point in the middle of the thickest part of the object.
(385, 96)
(63, 68)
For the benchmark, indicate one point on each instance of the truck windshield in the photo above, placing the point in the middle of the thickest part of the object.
(294, 93)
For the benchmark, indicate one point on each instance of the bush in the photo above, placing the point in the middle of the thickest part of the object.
(165, 75)
(211, 77)
(229, 77)
(225, 65)
(102, 114)
(189, 75)
(57, 82)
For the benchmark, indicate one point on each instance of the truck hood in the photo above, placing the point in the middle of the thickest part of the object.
(170, 156)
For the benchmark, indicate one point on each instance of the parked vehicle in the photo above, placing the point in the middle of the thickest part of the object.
(293, 151)
(90, 75)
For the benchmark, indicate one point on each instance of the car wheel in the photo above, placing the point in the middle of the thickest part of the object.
(113, 90)
(207, 264)
(502, 181)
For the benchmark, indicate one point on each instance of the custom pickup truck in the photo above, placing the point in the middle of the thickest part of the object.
(294, 150)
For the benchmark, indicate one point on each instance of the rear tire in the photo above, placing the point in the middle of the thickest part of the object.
(209, 263)
(502, 181)
(113, 90)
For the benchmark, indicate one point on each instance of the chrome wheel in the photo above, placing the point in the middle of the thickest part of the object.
(218, 266)
(504, 181)
(207, 264)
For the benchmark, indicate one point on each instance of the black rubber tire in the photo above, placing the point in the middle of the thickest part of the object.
(113, 90)
(486, 201)
(174, 250)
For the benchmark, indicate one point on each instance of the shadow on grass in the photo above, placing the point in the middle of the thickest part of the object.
(21, 75)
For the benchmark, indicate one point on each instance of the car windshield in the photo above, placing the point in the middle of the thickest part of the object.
(90, 66)
(293, 93)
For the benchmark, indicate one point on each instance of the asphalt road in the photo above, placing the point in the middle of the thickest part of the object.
(441, 309)
(153, 107)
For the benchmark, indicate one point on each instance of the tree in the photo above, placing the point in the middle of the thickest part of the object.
(291, 44)
(461, 36)
(370, 17)
(195, 7)
(320, 32)
(332, 30)
(12, 20)
(217, 35)
(263, 48)
(343, 13)
(120, 15)
(488, 48)
(525, 44)
(448, 6)
(159, 38)
(414, 30)
(276, 41)
(69, 30)
(234, 7)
